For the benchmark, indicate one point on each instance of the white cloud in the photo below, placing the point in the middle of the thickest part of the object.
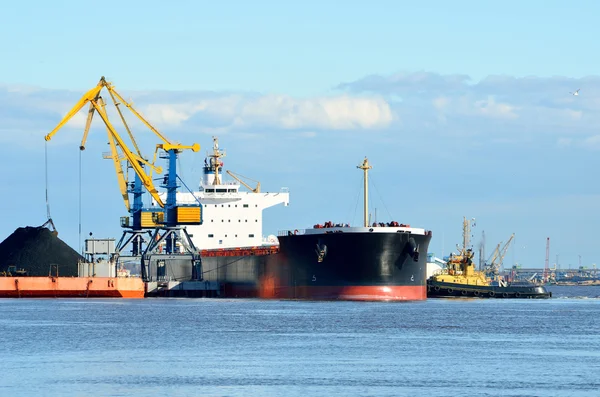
(494, 106)
(280, 111)
(467, 106)
(489, 107)
(168, 114)
(592, 142)
(497, 108)
(441, 103)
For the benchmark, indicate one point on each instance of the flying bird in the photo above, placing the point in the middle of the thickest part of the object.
(575, 93)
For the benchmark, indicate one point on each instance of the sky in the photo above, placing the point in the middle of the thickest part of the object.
(463, 108)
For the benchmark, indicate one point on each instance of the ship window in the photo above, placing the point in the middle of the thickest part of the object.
(239, 220)
(246, 220)
(225, 235)
(221, 190)
(231, 190)
(229, 205)
(211, 235)
(229, 220)
(210, 190)
(236, 206)
(222, 220)
(256, 205)
(215, 206)
(251, 235)
(245, 205)
(212, 220)
(236, 235)
(222, 206)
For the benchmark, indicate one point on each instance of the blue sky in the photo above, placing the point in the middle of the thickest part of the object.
(462, 107)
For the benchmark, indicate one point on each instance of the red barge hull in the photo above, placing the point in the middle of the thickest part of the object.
(71, 287)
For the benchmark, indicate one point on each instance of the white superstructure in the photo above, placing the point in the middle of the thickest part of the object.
(230, 218)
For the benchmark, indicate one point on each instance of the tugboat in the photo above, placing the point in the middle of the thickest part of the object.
(460, 279)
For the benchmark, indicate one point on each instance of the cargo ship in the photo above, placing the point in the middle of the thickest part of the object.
(460, 279)
(380, 261)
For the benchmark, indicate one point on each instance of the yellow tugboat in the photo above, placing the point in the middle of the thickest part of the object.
(460, 278)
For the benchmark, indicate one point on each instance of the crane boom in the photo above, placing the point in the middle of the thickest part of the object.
(495, 253)
(139, 116)
(135, 145)
(493, 266)
(146, 180)
(504, 250)
(87, 97)
(237, 178)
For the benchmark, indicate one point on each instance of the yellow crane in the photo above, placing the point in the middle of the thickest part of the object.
(119, 150)
(238, 177)
(172, 215)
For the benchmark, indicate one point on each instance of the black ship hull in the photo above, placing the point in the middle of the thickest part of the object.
(451, 290)
(367, 266)
(388, 265)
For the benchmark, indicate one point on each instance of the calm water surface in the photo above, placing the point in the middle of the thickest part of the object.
(217, 347)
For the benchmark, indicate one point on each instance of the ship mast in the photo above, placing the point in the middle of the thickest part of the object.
(366, 167)
(215, 160)
(466, 233)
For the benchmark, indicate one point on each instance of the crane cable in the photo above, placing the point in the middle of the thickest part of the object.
(49, 218)
(80, 246)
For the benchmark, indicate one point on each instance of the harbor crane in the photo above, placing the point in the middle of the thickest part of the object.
(493, 267)
(238, 177)
(494, 255)
(169, 218)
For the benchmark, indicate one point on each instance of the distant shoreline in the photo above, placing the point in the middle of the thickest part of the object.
(578, 283)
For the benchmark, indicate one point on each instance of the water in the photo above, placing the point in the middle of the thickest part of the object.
(213, 347)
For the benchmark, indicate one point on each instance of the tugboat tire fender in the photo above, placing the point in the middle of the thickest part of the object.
(436, 288)
(517, 294)
(476, 293)
(492, 294)
(505, 295)
(464, 292)
(450, 290)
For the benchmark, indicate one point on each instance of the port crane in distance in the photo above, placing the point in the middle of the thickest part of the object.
(493, 267)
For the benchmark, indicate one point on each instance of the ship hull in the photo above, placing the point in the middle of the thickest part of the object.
(453, 290)
(71, 287)
(356, 266)
(362, 266)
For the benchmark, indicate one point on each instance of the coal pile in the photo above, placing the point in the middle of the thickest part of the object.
(36, 249)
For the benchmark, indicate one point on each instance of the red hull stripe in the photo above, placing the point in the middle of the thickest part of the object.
(350, 293)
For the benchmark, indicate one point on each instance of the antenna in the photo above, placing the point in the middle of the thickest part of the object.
(546, 265)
